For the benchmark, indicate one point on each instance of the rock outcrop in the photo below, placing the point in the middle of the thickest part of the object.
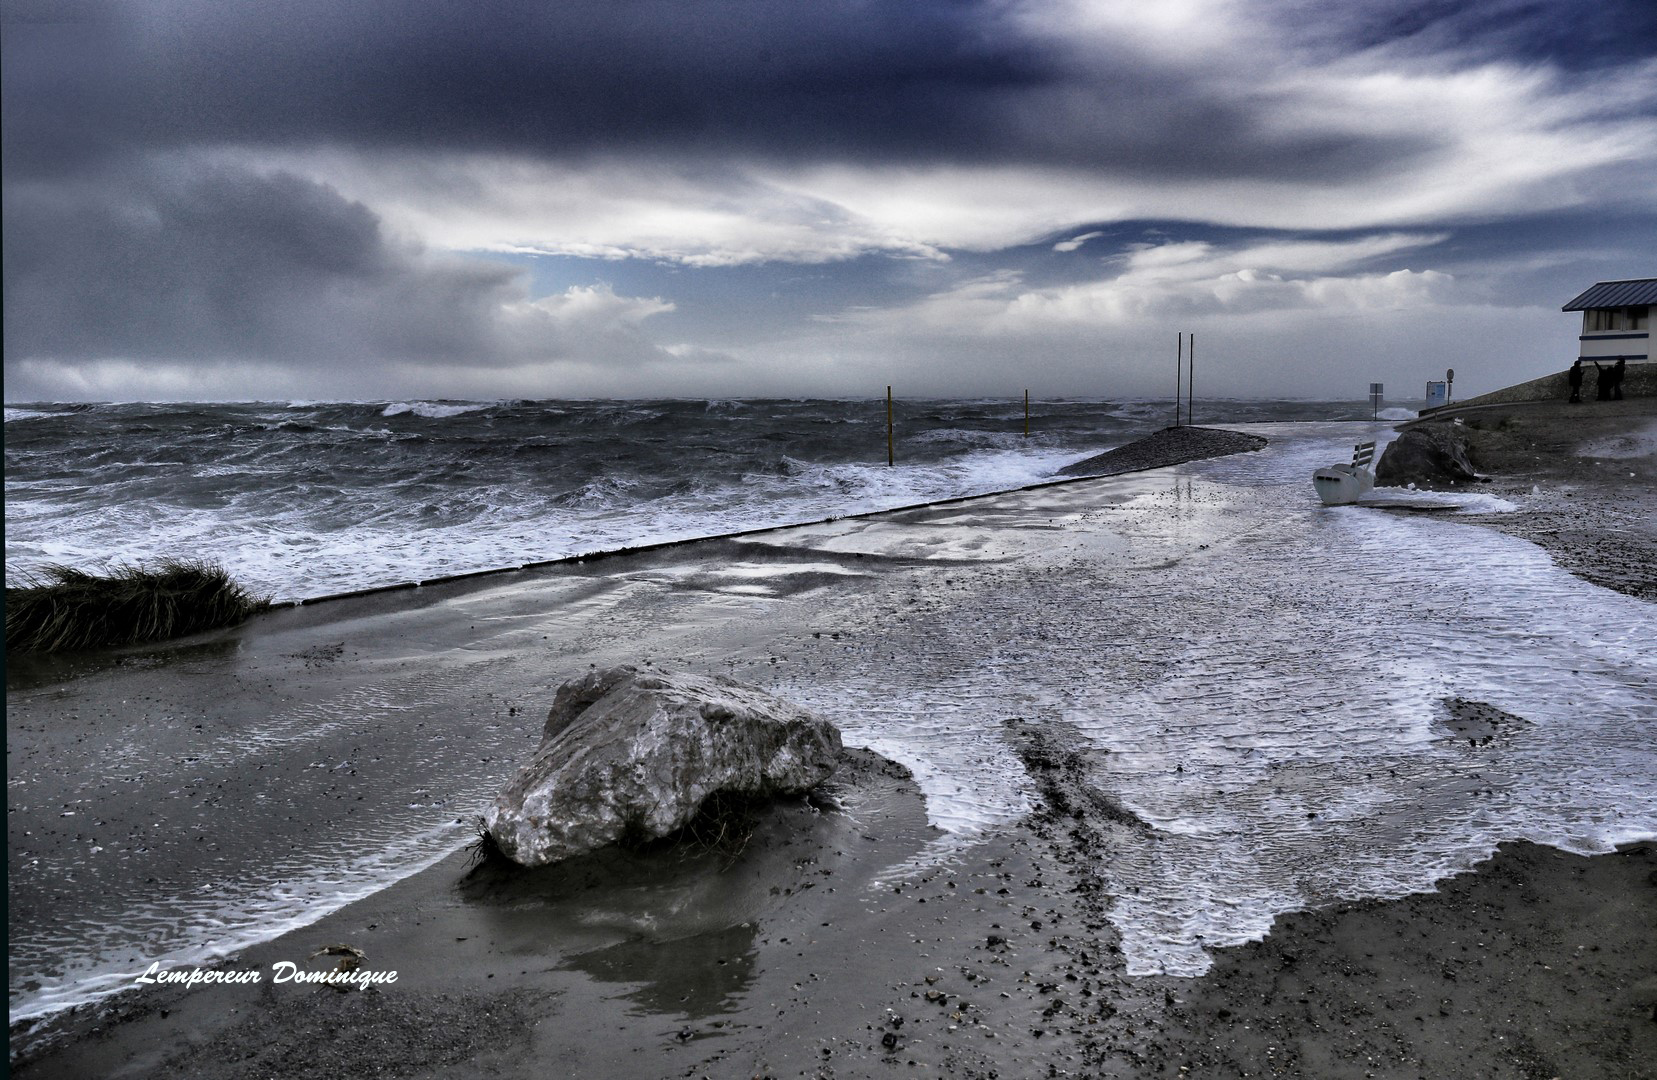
(632, 754)
(1426, 455)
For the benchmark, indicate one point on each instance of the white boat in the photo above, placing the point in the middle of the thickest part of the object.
(1339, 485)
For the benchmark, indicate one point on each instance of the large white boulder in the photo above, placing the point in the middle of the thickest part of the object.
(633, 753)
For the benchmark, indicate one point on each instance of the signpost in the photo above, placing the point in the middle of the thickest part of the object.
(1375, 392)
(1450, 380)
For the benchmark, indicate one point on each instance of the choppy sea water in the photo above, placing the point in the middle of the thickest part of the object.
(1271, 687)
(305, 499)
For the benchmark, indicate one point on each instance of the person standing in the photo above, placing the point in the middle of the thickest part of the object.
(1574, 377)
(1618, 370)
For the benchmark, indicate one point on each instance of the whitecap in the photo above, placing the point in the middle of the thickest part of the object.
(435, 410)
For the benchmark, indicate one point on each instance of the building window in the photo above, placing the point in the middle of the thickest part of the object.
(1639, 318)
(1599, 320)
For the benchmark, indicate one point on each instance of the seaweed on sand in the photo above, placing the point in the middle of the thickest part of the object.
(484, 851)
(722, 826)
(60, 609)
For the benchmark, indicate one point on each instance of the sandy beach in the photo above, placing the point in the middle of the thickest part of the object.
(849, 937)
(1584, 475)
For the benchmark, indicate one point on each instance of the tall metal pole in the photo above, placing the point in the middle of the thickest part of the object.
(1026, 414)
(1179, 364)
(1191, 379)
(889, 426)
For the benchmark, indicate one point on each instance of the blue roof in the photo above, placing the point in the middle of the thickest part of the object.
(1610, 294)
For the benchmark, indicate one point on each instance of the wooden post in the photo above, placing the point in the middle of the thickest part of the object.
(1191, 379)
(1026, 413)
(1179, 366)
(889, 454)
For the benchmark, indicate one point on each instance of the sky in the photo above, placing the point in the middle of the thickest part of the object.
(378, 200)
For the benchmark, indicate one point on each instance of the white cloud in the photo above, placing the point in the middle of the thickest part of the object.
(1169, 30)
(1303, 319)
(1196, 260)
(591, 306)
(691, 213)
(1076, 242)
(1184, 279)
(1312, 338)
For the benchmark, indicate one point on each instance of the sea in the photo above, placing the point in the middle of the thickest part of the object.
(305, 499)
(1304, 704)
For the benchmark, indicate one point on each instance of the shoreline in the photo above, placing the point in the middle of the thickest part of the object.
(1576, 471)
(1171, 446)
(992, 963)
(996, 955)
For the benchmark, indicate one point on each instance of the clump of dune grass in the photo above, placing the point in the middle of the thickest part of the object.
(61, 609)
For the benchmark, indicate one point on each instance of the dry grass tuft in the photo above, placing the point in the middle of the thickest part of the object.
(62, 609)
(723, 825)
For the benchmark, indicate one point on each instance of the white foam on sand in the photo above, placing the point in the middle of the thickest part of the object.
(227, 919)
(1290, 749)
(1295, 754)
(1410, 498)
(1633, 444)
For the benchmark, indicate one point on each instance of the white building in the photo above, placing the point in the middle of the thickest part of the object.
(1616, 320)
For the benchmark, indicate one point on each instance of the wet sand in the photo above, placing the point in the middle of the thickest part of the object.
(1584, 476)
(794, 961)
(816, 952)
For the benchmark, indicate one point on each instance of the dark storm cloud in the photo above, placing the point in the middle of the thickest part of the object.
(840, 81)
(161, 263)
(1570, 34)
(148, 219)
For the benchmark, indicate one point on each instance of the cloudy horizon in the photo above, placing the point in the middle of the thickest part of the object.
(519, 200)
